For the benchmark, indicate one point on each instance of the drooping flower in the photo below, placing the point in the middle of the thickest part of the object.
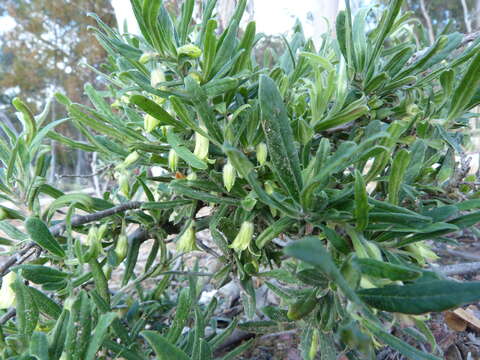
(188, 241)
(201, 145)
(262, 153)
(157, 76)
(146, 57)
(172, 160)
(150, 123)
(229, 176)
(189, 50)
(244, 237)
(7, 294)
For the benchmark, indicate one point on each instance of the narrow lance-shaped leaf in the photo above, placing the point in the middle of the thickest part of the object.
(163, 348)
(361, 202)
(205, 111)
(280, 140)
(184, 153)
(40, 234)
(423, 297)
(99, 334)
(465, 89)
(27, 310)
(311, 250)
(395, 180)
(397, 344)
(383, 270)
(155, 110)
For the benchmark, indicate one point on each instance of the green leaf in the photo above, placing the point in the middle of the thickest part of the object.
(185, 19)
(361, 202)
(399, 167)
(40, 274)
(200, 101)
(40, 234)
(185, 153)
(238, 350)
(45, 305)
(420, 298)
(386, 23)
(155, 110)
(273, 230)
(181, 187)
(311, 250)
(27, 311)
(181, 315)
(279, 135)
(465, 89)
(27, 119)
(210, 47)
(99, 334)
(338, 242)
(39, 346)
(397, 344)
(383, 270)
(164, 349)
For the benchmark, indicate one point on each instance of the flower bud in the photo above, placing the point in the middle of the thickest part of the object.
(7, 295)
(373, 250)
(172, 160)
(123, 183)
(192, 176)
(121, 247)
(150, 123)
(94, 244)
(146, 57)
(244, 237)
(229, 175)
(107, 270)
(196, 76)
(201, 145)
(130, 159)
(269, 188)
(158, 99)
(189, 50)
(68, 303)
(157, 76)
(262, 153)
(421, 252)
(188, 241)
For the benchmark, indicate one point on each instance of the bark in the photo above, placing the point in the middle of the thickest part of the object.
(324, 16)
(466, 16)
(428, 21)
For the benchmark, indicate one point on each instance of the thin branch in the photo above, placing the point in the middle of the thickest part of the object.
(96, 173)
(7, 316)
(84, 219)
(60, 227)
(459, 269)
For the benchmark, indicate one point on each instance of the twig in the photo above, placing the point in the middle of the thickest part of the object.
(84, 219)
(60, 227)
(7, 316)
(459, 269)
(464, 255)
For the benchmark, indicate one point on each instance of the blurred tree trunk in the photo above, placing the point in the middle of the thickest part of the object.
(466, 16)
(428, 21)
(226, 8)
(324, 15)
(477, 14)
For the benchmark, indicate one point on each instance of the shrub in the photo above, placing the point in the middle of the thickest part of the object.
(321, 177)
